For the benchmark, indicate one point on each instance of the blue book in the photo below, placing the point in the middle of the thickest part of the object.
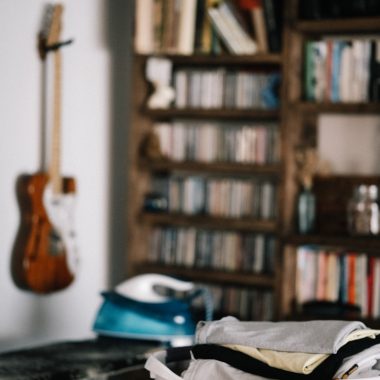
(335, 72)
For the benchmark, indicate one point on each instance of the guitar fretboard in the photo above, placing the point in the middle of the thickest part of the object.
(55, 162)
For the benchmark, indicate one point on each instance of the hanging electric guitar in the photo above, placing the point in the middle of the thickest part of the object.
(44, 255)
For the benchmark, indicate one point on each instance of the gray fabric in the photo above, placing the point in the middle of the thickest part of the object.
(314, 337)
(214, 369)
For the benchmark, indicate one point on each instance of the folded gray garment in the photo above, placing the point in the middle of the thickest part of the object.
(314, 337)
(214, 369)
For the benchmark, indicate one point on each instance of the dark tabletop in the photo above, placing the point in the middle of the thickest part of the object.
(99, 358)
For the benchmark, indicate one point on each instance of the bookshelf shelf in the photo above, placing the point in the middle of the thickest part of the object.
(200, 221)
(196, 113)
(210, 275)
(222, 59)
(367, 243)
(349, 25)
(310, 107)
(215, 167)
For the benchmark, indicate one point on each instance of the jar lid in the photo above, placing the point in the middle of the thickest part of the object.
(373, 191)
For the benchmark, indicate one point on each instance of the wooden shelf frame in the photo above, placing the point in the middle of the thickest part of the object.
(221, 60)
(333, 26)
(212, 222)
(367, 244)
(207, 275)
(216, 113)
(344, 108)
(230, 168)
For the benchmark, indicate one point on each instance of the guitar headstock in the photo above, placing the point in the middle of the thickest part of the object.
(51, 28)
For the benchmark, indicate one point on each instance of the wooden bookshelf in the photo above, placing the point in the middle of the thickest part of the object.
(297, 122)
(301, 123)
(142, 225)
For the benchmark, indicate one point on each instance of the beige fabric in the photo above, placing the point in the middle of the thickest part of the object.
(297, 362)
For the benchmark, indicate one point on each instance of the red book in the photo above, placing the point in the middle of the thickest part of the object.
(351, 279)
(370, 281)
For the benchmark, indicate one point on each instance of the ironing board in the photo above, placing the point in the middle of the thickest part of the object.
(101, 358)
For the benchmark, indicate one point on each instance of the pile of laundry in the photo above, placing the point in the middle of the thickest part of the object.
(229, 349)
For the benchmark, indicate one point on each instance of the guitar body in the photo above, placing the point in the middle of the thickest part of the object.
(44, 252)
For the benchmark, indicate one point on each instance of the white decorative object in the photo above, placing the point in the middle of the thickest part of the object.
(159, 72)
(60, 210)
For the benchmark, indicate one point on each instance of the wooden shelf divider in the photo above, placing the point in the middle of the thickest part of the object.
(208, 275)
(367, 244)
(245, 224)
(222, 59)
(350, 25)
(309, 107)
(212, 167)
(199, 113)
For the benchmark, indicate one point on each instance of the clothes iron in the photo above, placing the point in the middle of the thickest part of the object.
(135, 309)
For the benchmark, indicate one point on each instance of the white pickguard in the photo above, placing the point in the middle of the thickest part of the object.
(60, 210)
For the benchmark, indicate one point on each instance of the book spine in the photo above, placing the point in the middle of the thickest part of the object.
(144, 39)
(186, 32)
(273, 13)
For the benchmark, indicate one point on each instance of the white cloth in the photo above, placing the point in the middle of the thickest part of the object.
(316, 337)
(364, 365)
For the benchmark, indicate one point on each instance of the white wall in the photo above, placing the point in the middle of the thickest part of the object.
(351, 143)
(26, 318)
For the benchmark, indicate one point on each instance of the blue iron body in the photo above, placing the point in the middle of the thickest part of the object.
(166, 321)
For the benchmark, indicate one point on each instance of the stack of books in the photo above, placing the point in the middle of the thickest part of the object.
(221, 88)
(222, 197)
(347, 277)
(217, 141)
(342, 70)
(242, 27)
(219, 250)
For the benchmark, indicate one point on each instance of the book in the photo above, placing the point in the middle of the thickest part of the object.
(186, 32)
(230, 31)
(144, 40)
(273, 21)
(255, 8)
(374, 70)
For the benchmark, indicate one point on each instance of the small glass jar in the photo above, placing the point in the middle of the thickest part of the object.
(363, 211)
(306, 211)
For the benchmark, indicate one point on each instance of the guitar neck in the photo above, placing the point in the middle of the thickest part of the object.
(55, 161)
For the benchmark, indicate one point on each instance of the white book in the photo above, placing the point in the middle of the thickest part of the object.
(345, 78)
(365, 70)
(144, 39)
(246, 43)
(267, 195)
(376, 290)
(259, 253)
(223, 31)
(163, 131)
(181, 85)
(186, 31)
(190, 247)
